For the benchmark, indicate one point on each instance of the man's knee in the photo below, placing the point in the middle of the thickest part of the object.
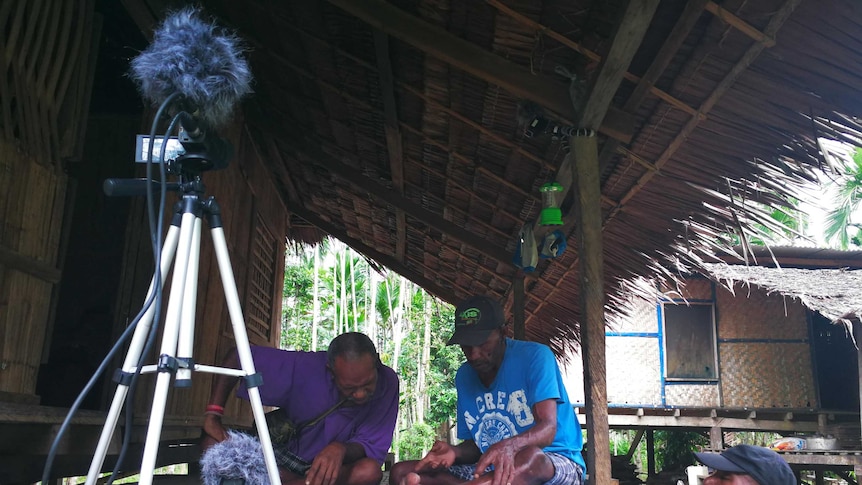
(365, 471)
(535, 462)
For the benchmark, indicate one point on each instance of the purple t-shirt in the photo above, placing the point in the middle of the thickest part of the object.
(300, 383)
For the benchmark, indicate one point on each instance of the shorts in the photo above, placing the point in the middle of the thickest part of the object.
(566, 471)
(287, 459)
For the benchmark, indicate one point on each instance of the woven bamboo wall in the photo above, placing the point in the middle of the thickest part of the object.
(634, 375)
(752, 314)
(47, 68)
(764, 351)
(32, 201)
(697, 395)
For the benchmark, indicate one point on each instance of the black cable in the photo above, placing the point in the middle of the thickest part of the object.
(156, 226)
(52, 452)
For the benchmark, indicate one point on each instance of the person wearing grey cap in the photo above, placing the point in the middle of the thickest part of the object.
(746, 465)
(514, 414)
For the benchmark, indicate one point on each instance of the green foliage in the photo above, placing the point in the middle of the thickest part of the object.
(414, 441)
(342, 272)
(840, 227)
(674, 448)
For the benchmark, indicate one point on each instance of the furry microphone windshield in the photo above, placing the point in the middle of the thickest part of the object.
(199, 61)
(239, 457)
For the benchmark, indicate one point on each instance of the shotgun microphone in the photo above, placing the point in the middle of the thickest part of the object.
(201, 62)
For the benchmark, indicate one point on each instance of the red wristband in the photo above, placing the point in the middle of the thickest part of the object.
(215, 409)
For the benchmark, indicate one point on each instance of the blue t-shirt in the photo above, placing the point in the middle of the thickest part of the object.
(528, 374)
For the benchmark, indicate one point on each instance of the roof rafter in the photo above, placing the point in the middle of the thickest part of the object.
(483, 64)
(774, 25)
(375, 189)
(393, 136)
(673, 101)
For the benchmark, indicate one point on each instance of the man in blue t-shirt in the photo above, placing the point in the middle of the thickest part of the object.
(514, 414)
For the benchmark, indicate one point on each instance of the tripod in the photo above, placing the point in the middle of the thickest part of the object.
(175, 357)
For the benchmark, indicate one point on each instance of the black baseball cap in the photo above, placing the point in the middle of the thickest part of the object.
(475, 319)
(762, 464)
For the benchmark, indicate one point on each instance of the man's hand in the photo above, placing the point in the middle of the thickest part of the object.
(502, 456)
(215, 432)
(441, 455)
(326, 465)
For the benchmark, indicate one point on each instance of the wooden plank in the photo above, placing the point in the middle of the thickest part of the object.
(630, 421)
(739, 24)
(473, 59)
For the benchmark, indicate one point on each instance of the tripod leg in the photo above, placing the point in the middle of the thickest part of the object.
(167, 357)
(242, 345)
(136, 348)
(185, 344)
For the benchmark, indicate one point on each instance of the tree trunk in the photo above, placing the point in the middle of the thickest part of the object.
(315, 306)
(371, 306)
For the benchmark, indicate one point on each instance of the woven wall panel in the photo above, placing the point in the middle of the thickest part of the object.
(697, 289)
(691, 395)
(759, 315)
(643, 318)
(633, 370)
(766, 375)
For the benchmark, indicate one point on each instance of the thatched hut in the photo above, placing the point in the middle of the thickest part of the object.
(401, 128)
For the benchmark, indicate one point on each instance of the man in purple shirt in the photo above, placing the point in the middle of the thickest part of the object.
(348, 445)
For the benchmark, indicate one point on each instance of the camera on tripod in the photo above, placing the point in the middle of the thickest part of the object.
(194, 150)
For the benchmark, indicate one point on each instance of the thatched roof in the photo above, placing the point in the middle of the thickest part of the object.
(393, 125)
(834, 293)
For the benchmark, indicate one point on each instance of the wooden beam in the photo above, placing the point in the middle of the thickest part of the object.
(588, 53)
(359, 180)
(739, 24)
(393, 135)
(520, 330)
(631, 421)
(407, 88)
(369, 252)
(687, 20)
(750, 55)
(32, 267)
(857, 334)
(584, 160)
(634, 444)
(516, 79)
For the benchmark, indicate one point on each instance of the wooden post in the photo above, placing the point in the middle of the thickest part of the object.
(520, 331)
(716, 438)
(650, 452)
(857, 331)
(589, 229)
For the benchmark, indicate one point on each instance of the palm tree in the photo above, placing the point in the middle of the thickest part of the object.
(839, 221)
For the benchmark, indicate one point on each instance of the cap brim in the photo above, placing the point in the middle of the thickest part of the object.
(718, 462)
(469, 338)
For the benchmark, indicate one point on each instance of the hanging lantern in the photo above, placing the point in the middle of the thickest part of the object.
(551, 214)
